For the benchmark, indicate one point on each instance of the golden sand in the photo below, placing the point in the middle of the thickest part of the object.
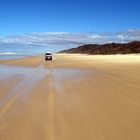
(79, 97)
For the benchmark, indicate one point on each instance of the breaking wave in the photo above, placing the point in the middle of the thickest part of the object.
(10, 53)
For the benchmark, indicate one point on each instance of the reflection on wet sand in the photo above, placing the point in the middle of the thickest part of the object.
(73, 97)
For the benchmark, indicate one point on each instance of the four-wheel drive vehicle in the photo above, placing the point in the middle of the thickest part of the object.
(48, 56)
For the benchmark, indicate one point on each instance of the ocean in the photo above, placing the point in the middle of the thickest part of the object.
(11, 55)
(8, 52)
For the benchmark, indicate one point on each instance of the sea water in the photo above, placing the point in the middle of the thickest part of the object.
(8, 52)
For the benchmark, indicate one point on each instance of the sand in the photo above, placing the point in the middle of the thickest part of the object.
(73, 97)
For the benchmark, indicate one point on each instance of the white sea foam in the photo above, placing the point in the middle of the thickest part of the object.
(10, 53)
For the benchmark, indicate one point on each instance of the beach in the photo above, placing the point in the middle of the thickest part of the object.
(73, 97)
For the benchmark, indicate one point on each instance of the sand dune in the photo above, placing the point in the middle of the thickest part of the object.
(74, 97)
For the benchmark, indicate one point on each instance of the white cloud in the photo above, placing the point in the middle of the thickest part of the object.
(99, 36)
(67, 40)
(121, 37)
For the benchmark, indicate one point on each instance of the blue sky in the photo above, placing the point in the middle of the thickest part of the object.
(25, 16)
(30, 26)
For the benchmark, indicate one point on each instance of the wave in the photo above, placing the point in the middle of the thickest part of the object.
(10, 53)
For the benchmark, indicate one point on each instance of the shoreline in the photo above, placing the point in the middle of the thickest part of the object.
(33, 61)
(26, 61)
(79, 92)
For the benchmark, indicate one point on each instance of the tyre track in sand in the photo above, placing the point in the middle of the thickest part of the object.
(50, 126)
(25, 86)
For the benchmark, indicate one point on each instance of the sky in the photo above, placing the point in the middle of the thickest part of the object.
(68, 22)
(24, 16)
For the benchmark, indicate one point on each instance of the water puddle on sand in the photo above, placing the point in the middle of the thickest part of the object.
(30, 78)
(7, 71)
(62, 76)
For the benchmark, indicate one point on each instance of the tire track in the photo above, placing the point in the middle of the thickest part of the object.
(50, 126)
(25, 86)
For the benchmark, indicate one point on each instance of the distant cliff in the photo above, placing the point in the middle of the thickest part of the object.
(110, 48)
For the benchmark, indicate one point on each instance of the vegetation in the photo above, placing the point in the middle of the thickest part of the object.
(109, 48)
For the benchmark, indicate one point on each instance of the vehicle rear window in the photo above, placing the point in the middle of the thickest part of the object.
(48, 54)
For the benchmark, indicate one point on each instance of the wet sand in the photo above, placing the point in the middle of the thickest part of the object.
(74, 97)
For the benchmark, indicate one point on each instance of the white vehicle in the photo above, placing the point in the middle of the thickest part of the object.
(48, 56)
